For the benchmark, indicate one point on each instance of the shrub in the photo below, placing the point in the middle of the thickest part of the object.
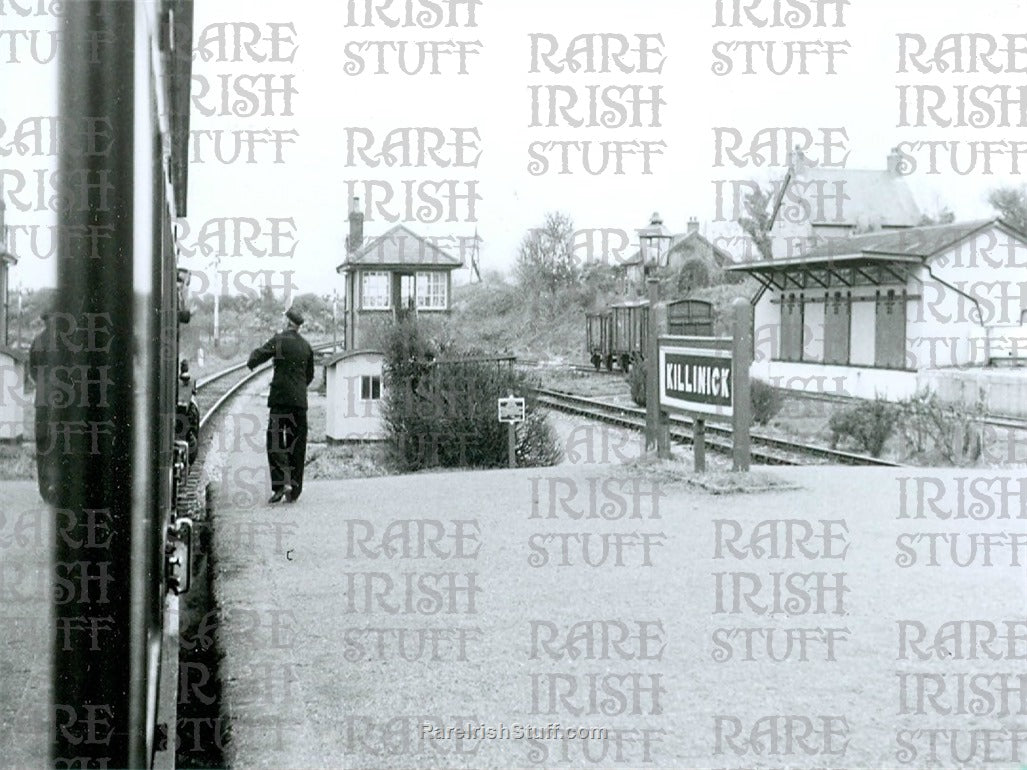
(444, 414)
(636, 381)
(537, 444)
(949, 434)
(867, 426)
(766, 402)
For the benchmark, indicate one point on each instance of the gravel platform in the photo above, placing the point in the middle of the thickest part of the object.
(345, 648)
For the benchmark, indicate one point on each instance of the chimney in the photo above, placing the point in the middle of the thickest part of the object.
(693, 225)
(356, 227)
(894, 161)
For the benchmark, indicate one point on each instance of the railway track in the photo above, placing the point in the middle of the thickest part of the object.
(766, 450)
(214, 390)
(212, 393)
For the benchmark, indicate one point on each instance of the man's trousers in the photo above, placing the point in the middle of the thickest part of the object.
(287, 448)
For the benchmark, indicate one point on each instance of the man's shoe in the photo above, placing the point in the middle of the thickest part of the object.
(277, 496)
(292, 497)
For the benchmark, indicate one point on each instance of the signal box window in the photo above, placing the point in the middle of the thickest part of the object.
(431, 291)
(370, 388)
(374, 291)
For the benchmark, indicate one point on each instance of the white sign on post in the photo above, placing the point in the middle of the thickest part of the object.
(511, 409)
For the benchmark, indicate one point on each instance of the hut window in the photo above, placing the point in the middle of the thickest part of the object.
(370, 388)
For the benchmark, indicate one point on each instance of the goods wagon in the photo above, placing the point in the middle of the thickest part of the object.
(620, 334)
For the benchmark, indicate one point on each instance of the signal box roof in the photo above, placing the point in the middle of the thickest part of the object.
(400, 248)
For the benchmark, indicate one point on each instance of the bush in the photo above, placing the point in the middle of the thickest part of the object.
(537, 444)
(867, 426)
(636, 381)
(766, 402)
(444, 414)
(943, 433)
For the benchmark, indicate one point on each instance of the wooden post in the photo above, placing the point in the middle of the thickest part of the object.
(741, 360)
(652, 373)
(511, 443)
(699, 444)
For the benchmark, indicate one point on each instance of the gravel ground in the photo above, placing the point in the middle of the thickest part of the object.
(307, 684)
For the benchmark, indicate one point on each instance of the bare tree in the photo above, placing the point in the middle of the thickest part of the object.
(1011, 205)
(545, 260)
(758, 223)
(940, 214)
(944, 216)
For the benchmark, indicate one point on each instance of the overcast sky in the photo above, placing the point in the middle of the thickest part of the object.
(311, 185)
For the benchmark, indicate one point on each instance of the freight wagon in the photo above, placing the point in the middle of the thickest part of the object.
(620, 333)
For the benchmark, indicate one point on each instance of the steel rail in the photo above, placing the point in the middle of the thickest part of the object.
(228, 394)
(717, 437)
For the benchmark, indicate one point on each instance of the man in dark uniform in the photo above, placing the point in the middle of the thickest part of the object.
(42, 359)
(287, 422)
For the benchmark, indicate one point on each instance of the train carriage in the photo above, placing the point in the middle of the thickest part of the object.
(120, 300)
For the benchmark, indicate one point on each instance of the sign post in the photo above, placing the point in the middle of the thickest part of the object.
(657, 426)
(742, 360)
(511, 411)
(699, 444)
(707, 378)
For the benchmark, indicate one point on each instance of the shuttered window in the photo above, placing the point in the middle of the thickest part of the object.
(890, 331)
(837, 325)
(791, 328)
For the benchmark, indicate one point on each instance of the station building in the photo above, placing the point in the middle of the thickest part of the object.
(890, 312)
(388, 277)
(813, 204)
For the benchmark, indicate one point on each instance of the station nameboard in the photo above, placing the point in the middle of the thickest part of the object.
(696, 378)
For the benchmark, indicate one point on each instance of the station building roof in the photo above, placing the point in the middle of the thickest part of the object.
(871, 259)
(870, 196)
(397, 249)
